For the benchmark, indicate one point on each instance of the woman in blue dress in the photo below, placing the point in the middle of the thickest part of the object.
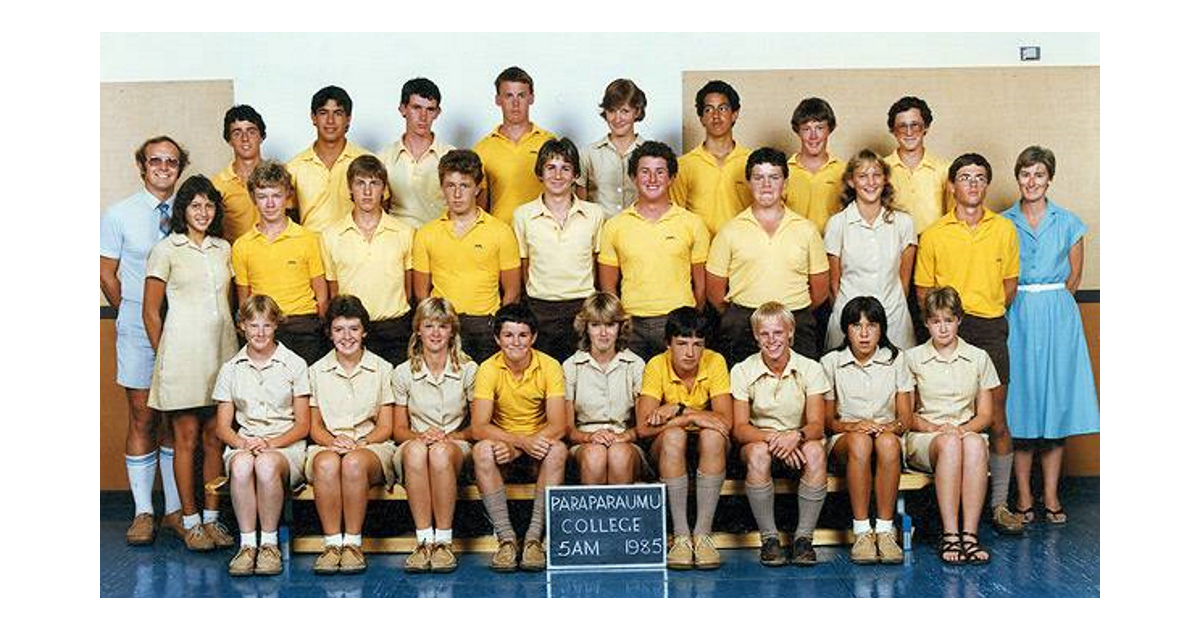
(1052, 394)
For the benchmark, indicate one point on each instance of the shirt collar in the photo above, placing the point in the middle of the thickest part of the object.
(577, 207)
(244, 357)
(447, 372)
(330, 365)
(758, 368)
(845, 357)
(931, 353)
(830, 161)
(927, 160)
(534, 130)
(180, 240)
(606, 142)
(701, 373)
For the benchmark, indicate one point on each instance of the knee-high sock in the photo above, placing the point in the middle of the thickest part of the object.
(762, 504)
(166, 468)
(496, 504)
(809, 502)
(708, 492)
(140, 469)
(677, 497)
(537, 519)
(1000, 468)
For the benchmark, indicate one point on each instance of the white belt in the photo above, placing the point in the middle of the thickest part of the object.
(1038, 288)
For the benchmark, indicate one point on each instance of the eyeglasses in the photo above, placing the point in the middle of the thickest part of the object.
(971, 179)
(723, 108)
(911, 127)
(162, 160)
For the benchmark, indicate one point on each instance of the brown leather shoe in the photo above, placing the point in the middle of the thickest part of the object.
(141, 530)
(173, 523)
(329, 560)
(220, 536)
(803, 554)
(505, 558)
(442, 558)
(243, 562)
(533, 556)
(269, 561)
(197, 539)
(1006, 522)
(418, 561)
(353, 560)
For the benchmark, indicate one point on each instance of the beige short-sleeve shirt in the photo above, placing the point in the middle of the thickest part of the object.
(561, 258)
(350, 401)
(866, 392)
(777, 402)
(262, 396)
(946, 388)
(603, 396)
(435, 401)
(604, 172)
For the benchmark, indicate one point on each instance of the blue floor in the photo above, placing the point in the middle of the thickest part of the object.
(1048, 561)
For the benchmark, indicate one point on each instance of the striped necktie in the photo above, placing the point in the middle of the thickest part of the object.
(164, 219)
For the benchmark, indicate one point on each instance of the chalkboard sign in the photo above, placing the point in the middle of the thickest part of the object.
(606, 526)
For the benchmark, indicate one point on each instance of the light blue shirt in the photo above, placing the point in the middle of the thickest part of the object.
(1044, 250)
(129, 229)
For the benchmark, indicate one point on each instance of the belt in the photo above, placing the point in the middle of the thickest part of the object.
(1038, 288)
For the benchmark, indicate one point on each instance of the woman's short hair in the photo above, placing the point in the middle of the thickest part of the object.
(347, 306)
(771, 310)
(887, 197)
(602, 308)
(1035, 155)
(624, 92)
(260, 305)
(438, 310)
(942, 299)
(191, 187)
(870, 307)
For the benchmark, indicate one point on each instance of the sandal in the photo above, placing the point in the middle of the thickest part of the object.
(1056, 517)
(974, 552)
(951, 543)
(1027, 515)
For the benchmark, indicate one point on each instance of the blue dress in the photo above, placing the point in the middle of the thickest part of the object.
(1051, 393)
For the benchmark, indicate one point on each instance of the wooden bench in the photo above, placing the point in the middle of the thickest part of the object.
(314, 543)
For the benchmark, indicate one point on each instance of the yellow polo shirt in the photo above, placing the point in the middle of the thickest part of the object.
(373, 269)
(816, 196)
(322, 193)
(762, 267)
(714, 191)
(283, 268)
(414, 183)
(560, 258)
(660, 381)
(520, 403)
(466, 270)
(975, 262)
(655, 258)
(921, 192)
(240, 212)
(508, 169)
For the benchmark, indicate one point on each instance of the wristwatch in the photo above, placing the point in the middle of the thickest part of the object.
(679, 411)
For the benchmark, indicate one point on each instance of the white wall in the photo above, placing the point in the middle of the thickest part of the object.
(278, 73)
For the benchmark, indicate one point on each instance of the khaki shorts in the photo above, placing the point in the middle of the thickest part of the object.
(294, 454)
(383, 452)
(916, 448)
(398, 459)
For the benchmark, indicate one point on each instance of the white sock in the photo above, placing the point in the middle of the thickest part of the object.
(352, 539)
(443, 535)
(190, 520)
(883, 525)
(140, 469)
(249, 539)
(425, 535)
(333, 540)
(166, 468)
(269, 538)
(861, 527)
(210, 516)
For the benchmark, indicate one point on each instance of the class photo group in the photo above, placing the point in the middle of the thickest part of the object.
(541, 308)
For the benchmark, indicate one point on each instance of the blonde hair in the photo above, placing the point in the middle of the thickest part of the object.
(602, 308)
(260, 305)
(770, 310)
(942, 299)
(440, 311)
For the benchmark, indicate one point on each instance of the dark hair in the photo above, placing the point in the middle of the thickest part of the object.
(870, 307)
(969, 159)
(421, 87)
(560, 148)
(1035, 155)
(653, 148)
(140, 154)
(463, 161)
(886, 198)
(906, 103)
(192, 186)
(621, 92)
(813, 108)
(331, 93)
(513, 74)
(516, 313)
(686, 321)
(347, 306)
(238, 113)
(717, 87)
(767, 155)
